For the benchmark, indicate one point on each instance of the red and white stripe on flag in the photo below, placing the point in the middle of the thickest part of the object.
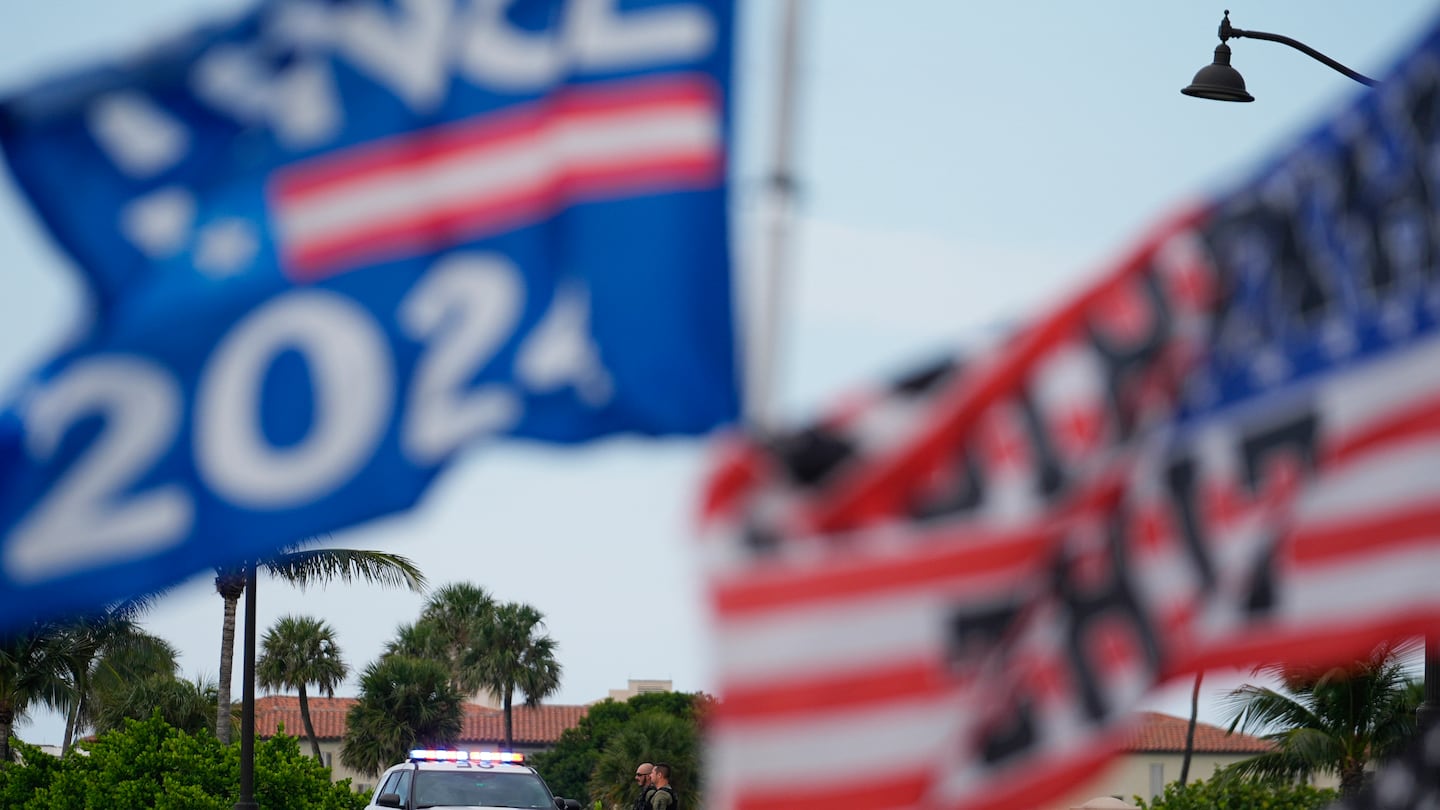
(464, 180)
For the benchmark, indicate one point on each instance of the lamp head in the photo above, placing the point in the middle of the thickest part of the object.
(1218, 80)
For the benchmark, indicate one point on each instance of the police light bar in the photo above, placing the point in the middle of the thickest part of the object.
(439, 755)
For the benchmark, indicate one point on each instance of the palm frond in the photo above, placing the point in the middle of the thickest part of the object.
(1328, 718)
(323, 565)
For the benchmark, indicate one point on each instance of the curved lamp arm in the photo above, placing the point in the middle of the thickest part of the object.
(1228, 31)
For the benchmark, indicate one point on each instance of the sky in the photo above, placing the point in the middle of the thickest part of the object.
(960, 165)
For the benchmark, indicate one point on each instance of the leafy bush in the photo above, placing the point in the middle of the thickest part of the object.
(19, 782)
(1230, 794)
(285, 778)
(570, 766)
(152, 764)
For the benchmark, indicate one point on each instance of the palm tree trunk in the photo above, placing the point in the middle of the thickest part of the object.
(80, 682)
(227, 668)
(69, 738)
(7, 725)
(1190, 731)
(509, 721)
(309, 727)
(1352, 779)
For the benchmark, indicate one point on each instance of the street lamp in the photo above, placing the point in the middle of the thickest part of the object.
(1221, 82)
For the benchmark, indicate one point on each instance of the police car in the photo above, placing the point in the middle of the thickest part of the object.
(439, 779)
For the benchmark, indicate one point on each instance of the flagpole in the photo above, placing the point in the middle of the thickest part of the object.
(768, 300)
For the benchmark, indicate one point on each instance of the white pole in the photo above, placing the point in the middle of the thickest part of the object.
(768, 300)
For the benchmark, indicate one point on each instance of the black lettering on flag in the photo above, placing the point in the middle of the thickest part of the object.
(1049, 475)
(1271, 285)
(1012, 734)
(1302, 299)
(1296, 439)
(1239, 326)
(976, 632)
(1129, 363)
(1417, 120)
(1359, 218)
(759, 539)
(1262, 591)
(962, 489)
(1180, 479)
(811, 455)
(928, 378)
(1112, 602)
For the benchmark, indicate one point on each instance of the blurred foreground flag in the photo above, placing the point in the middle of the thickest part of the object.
(951, 593)
(332, 243)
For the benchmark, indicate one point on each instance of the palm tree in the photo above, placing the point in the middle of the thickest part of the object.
(296, 652)
(515, 657)
(186, 705)
(300, 567)
(404, 702)
(1328, 719)
(31, 669)
(107, 646)
(121, 666)
(454, 621)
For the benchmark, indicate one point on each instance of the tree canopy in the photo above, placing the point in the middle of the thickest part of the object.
(301, 567)
(404, 703)
(150, 763)
(32, 669)
(498, 648)
(1328, 719)
(296, 652)
(575, 767)
(188, 706)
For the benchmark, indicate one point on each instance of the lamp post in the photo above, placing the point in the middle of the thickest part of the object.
(247, 716)
(1221, 82)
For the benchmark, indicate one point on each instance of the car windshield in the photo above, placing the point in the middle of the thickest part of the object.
(480, 788)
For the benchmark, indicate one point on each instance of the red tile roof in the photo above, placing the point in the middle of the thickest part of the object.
(1160, 733)
(540, 725)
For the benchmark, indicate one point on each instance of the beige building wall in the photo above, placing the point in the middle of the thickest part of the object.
(640, 687)
(1146, 774)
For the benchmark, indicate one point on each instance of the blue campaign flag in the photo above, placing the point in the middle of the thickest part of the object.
(332, 243)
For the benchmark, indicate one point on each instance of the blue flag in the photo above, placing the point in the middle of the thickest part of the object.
(330, 244)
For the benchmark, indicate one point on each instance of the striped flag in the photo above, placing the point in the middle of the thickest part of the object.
(953, 593)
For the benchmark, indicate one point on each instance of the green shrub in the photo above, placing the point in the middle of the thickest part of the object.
(152, 764)
(287, 778)
(19, 782)
(1229, 794)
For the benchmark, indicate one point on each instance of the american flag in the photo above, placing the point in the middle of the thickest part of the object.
(953, 592)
